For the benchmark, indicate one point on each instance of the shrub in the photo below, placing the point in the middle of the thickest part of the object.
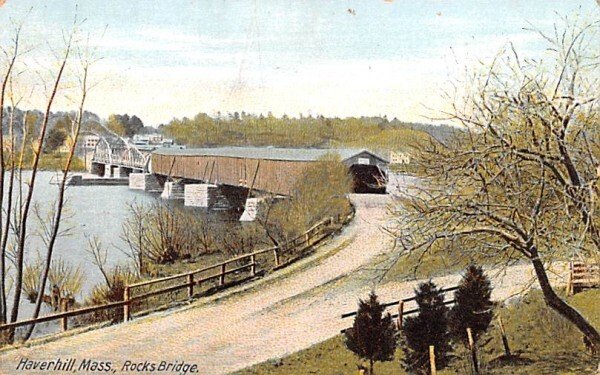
(430, 327)
(162, 233)
(111, 291)
(473, 307)
(372, 336)
(312, 200)
(67, 279)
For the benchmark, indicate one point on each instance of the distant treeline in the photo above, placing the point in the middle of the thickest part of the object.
(21, 131)
(242, 129)
(377, 133)
(28, 123)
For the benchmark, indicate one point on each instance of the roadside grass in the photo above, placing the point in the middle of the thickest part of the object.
(540, 340)
(184, 265)
(440, 260)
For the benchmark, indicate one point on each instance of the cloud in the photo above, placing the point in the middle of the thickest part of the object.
(168, 36)
(165, 40)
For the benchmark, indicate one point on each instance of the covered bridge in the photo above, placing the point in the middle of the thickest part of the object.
(268, 169)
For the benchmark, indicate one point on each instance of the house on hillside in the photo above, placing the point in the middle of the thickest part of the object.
(398, 157)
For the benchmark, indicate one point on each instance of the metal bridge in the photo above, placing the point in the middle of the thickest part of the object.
(117, 158)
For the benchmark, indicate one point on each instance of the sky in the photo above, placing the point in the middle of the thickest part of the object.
(176, 58)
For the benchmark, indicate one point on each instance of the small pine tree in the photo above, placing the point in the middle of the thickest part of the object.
(473, 307)
(373, 335)
(430, 327)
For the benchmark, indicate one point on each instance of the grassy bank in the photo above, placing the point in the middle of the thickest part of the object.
(542, 342)
(56, 162)
(442, 259)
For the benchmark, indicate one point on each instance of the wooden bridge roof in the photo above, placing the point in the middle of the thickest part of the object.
(268, 153)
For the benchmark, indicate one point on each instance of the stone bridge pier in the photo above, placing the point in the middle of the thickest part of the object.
(193, 193)
(254, 206)
(97, 168)
(213, 196)
(146, 181)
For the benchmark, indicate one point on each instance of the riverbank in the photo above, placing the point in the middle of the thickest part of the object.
(242, 320)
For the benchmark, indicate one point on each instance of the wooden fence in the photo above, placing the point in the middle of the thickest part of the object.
(190, 280)
(399, 316)
(582, 275)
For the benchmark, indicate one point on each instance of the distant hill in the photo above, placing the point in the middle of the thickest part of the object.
(241, 129)
(440, 132)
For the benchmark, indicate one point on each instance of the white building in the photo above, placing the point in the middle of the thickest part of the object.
(90, 141)
(397, 157)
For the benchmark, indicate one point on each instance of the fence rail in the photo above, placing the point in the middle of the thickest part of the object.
(307, 239)
(582, 275)
(400, 303)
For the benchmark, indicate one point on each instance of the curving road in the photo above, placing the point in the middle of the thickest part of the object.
(279, 314)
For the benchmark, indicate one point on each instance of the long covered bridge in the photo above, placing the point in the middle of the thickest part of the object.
(267, 169)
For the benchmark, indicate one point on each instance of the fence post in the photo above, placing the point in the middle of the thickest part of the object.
(276, 254)
(432, 360)
(504, 338)
(473, 351)
(222, 277)
(190, 281)
(400, 314)
(63, 308)
(126, 315)
(570, 281)
(252, 265)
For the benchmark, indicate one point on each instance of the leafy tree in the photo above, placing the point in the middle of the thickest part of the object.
(473, 307)
(56, 137)
(372, 336)
(124, 125)
(115, 125)
(311, 201)
(521, 182)
(134, 126)
(430, 327)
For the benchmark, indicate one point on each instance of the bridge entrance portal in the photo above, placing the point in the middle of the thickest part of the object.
(368, 179)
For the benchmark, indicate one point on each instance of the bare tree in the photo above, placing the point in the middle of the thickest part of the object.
(17, 206)
(521, 181)
(100, 256)
(11, 56)
(133, 233)
(161, 233)
(86, 61)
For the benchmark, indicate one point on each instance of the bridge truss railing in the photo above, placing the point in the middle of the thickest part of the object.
(124, 154)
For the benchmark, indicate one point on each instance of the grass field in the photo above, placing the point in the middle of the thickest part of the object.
(440, 260)
(541, 341)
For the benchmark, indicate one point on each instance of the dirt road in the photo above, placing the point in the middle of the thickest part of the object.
(277, 315)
